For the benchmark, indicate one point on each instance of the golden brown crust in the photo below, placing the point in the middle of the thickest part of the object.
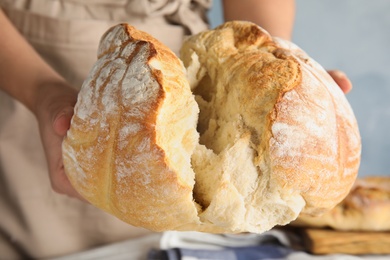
(301, 127)
(112, 153)
(276, 134)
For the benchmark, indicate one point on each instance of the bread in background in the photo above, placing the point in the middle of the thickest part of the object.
(366, 208)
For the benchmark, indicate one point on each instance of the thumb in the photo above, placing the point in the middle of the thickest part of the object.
(341, 79)
(62, 121)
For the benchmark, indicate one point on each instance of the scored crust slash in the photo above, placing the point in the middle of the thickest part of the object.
(242, 133)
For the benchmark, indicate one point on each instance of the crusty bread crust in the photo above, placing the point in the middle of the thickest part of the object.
(114, 153)
(275, 135)
(366, 208)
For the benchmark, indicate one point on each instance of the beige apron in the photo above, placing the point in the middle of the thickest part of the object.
(35, 222)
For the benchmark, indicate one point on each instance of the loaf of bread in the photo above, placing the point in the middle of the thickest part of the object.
(366, 208)
(243, 133)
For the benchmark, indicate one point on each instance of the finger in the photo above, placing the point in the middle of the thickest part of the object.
(341, 79)
(62, 122)
(60, 181)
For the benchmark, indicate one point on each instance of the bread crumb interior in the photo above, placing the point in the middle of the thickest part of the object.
(236, 109)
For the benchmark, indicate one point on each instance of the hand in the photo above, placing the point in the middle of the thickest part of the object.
(54, 112)
(43, 91)
(341, 79)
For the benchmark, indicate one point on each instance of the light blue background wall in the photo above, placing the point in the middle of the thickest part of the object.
(354, 36)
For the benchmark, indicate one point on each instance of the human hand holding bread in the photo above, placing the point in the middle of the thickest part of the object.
(277, 136)
(35, 84)
(54, 112)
